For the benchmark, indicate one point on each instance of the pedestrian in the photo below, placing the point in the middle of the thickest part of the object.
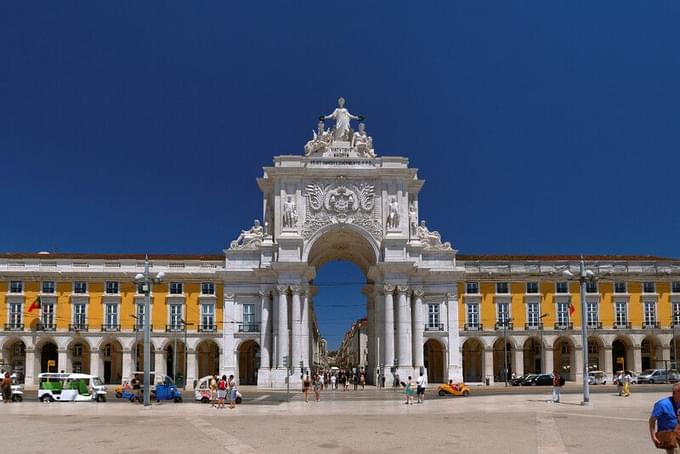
(333, 382)
(233, 392)
(619, 382)
(396, 380)
(136, 388)
(321, 380)
(410, 390)
(355, 381)
(626, 383)
(306, 384)
(213, 390)
(362, 380)
(663, 422)
(318, 383)
(221, 391)
(421, 384)
(557, 384)
(7, 388)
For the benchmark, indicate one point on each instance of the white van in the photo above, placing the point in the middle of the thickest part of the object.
(63, 387)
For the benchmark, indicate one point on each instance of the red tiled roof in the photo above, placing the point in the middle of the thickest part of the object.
(566, 258)
(106, 256)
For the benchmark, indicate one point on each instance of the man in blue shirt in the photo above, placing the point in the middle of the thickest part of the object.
(665, 417)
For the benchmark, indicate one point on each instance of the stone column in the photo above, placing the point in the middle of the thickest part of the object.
(549, 361)
(228, 359)
(296, 328)
(637, 358)
(160, 364)
(518, 368)
(126, 353)
(191, 368)
(94, 363)
(30, 367)
(388, 354)
(665, 353)
(488, 365)
(282, 328)
(379, 328)
(265, 327)
(578, 364)
(304, 331)
(370, 316)
(608, 364)
(62, 360)
(404, 328)
(418, 328)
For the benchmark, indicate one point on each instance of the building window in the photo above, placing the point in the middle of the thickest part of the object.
(80, 287)
(675, 287)
(532, 287)
(48, 287)
(473, 315)
(591, 287)
(619, 287)
(676, 313)
(562, 287)
(563, 314)
(140, 288)
(176, 288)
(503, 313)
(207, 317)
(111, 287)
(650, 313)
(16, 287)
(139, 313)
(15, 316)
(502, 287)
(249, 317)
(592, 315)
(207, 288)
(111, 315)
(175, 317)
(472, 288)
(648, 287)
(47, 315)
(433, 318)
(620, 313)
(533, 315)
(79, 315)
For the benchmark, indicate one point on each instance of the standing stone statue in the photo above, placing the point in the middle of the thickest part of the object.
(342, 118)
(393, 215)
(412, 219)
(290, 216)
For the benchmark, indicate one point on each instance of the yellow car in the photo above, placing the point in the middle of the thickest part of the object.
(454, 389)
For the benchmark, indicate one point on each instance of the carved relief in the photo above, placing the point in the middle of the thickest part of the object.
(290, 216)
(392, 222)
(430, 239)
(249, 239)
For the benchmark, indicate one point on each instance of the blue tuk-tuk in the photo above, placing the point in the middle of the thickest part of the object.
(167, 391)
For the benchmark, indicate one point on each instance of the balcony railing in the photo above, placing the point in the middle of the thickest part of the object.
(207, 328)
(249, 328)
(473, 327)
(568, 325)
(622, 325)
(110, 327)
(594, 325)
(174, 328)
(14, 326)
(434, 327)
(139, 327)
(77, 327)
(502, 325)
(46, 327)
(650, 325)
(533, 326)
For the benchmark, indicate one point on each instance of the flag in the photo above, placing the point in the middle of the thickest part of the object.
(572, 309)
(35, 305)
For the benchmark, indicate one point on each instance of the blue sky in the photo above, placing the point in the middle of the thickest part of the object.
(539, 126)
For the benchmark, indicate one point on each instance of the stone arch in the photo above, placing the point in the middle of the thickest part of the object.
(651, 353)
(435, 360)
(248, 361)
(564, 357)
(175, 359)
(207, 357)
(14, 355)
(137, 353)
(111, 360)
(499, 364)
(78, 355)
(342, 242)
(532, 352)
(622, 353)
(596, 353)
(473, 360)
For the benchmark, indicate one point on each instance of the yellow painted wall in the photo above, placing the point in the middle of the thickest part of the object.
(31, 292)
(95, 314)
(159, 310)
(606, 304)
(664, 311)
(634, 307)
(488, 310)
(4, 288)
(63, 309)
(461, 307)
(547, 290)
(517, 305)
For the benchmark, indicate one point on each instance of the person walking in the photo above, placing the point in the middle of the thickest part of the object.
(213, 390)
(619, 382)
(421, 383)
(410, 390)
(221, 391)
(233, 392)
(306, 384)
(7, 388)
(626, 384)
(318, 384)
(362, 381)
(557, 384)
(333, 381)
(663, 421)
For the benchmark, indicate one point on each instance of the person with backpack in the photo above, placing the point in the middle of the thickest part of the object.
(233, 391)
(558, 382)
(221, 391)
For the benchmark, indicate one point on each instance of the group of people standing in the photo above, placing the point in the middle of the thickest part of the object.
(343, 379)
(221, 390)
(623, 381)
(416, 388)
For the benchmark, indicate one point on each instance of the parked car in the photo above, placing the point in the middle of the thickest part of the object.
(517, 381)
(539, 380)
(658, 376)
(597, 377)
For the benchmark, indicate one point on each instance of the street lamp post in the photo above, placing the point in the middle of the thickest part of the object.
(540, 329)
(674, 319)
(186, 352)
(584, 277)
(146, 280)
(505, 348)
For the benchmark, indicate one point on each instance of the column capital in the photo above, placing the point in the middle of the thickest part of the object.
(229, 296)
(418, 292)
(402, 289)
(388, 288)
(281, 289)
(296, 289)
(263, 293)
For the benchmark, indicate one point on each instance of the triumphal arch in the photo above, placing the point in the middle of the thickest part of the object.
(339, 199)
